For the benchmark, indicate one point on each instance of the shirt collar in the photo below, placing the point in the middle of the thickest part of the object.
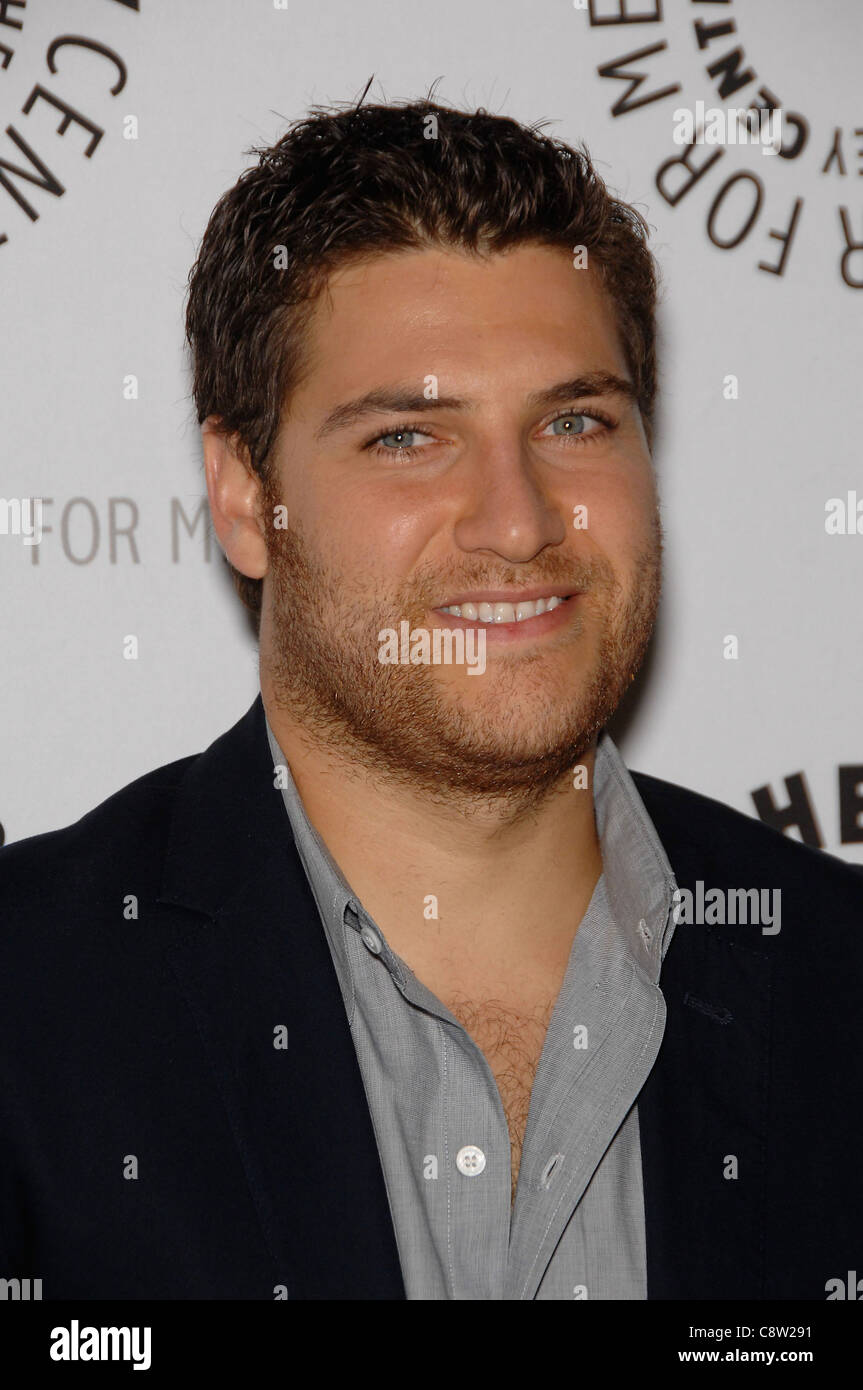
(639, 880)
(336, 901)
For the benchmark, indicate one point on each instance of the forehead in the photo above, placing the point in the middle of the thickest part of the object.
(523, 311)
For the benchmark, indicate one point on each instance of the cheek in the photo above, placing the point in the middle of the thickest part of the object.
(621, 511)
(408, 535)
(393, 529)
(377, 547)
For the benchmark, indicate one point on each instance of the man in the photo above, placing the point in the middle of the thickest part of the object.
(406, 987)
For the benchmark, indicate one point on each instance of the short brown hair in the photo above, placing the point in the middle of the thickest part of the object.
(366, 180)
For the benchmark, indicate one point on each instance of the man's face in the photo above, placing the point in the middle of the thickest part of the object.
(388, 523)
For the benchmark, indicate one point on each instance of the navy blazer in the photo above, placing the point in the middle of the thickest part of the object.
(155, 1144)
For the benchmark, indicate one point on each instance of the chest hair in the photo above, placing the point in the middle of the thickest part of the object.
(511, 1039)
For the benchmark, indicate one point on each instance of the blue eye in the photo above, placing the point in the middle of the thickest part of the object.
(568, 419)
(399, 435)
(399, 449)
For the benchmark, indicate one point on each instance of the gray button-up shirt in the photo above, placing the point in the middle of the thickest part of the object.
(577, 1227)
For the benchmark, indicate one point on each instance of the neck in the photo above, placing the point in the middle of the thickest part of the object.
(469, 884)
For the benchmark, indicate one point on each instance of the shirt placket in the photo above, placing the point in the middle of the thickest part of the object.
(602, 1038)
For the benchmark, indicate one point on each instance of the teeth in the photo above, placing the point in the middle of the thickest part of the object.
(504, 612)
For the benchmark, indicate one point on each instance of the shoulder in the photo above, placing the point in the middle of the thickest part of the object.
(117, 845)
(706, 839)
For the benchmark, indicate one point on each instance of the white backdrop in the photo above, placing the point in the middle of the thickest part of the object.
(93, 282)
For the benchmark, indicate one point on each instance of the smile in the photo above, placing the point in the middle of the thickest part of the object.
(503, 623)
(504, 612)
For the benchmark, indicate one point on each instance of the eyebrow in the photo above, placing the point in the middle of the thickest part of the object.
(400, 398)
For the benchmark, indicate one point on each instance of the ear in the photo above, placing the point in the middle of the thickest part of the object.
(234, 492)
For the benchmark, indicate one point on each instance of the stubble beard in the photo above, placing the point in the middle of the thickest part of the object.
(516, 739)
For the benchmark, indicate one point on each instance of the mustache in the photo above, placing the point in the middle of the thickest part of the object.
(430, 590)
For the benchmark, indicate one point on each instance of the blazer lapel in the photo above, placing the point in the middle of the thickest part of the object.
(703, 1110)
(256, 971)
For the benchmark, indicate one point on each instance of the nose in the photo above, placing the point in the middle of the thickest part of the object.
(506, 510)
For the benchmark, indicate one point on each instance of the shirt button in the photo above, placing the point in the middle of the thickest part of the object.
(372, 940)
(470, 1160)
(644, 931)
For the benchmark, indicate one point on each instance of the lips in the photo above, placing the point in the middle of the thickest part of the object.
(503, 628)
(522, 610)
